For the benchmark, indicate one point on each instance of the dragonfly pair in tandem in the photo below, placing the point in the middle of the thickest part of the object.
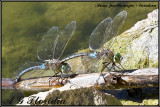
(53, 44)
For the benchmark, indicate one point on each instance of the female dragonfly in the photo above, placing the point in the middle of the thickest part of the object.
(105, 31)
(49, 50)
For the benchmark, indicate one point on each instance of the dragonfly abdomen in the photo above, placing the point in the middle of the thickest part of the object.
(43, 66)
(74, 56)
(93, 55)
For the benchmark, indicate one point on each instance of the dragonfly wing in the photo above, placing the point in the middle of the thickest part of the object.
(33, 70)
(25, 69)
(63, 39)
(113, 29)
(90, 65)
(96, 40)
(47, 45)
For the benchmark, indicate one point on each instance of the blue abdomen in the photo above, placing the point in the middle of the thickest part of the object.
(42, 66)
(93, 55)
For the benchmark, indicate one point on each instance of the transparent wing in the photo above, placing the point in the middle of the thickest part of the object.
(47, 45)
(32, 73)
(37, 73)
(84, 64)
(91, 65)
(96, 40)
(63, 39)
(25, 66)
(113, 29)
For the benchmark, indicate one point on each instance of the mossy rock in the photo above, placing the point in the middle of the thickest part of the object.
(138, 46)
(83, 96)
(145, 102)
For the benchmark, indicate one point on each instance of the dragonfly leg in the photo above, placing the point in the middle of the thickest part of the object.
(104, 63)
(122, 68)
(104, 66)
(62, 78)
(113, 65)
(50, 83)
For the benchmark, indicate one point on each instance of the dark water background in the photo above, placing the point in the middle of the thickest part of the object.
(23, 24)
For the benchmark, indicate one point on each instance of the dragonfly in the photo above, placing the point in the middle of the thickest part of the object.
(105, 31)
(49, 52)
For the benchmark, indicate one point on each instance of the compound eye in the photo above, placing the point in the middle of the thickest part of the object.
(65, 68)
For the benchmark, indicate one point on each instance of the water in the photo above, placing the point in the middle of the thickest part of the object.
(23, 25)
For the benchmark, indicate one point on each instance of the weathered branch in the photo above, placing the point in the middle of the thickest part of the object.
(114, 80)
(132, 81)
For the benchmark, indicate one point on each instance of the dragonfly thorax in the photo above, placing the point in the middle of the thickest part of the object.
(106, 54)
(53, 64)
(57, 66)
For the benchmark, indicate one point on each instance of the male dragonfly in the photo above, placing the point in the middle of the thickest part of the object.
(105, 31)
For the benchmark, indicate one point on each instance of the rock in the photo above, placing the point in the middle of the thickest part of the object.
(82, 96)
(83, 89)
(139, 45)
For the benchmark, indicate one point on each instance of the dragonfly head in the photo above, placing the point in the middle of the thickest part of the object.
(117, 58)
(65, 68)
